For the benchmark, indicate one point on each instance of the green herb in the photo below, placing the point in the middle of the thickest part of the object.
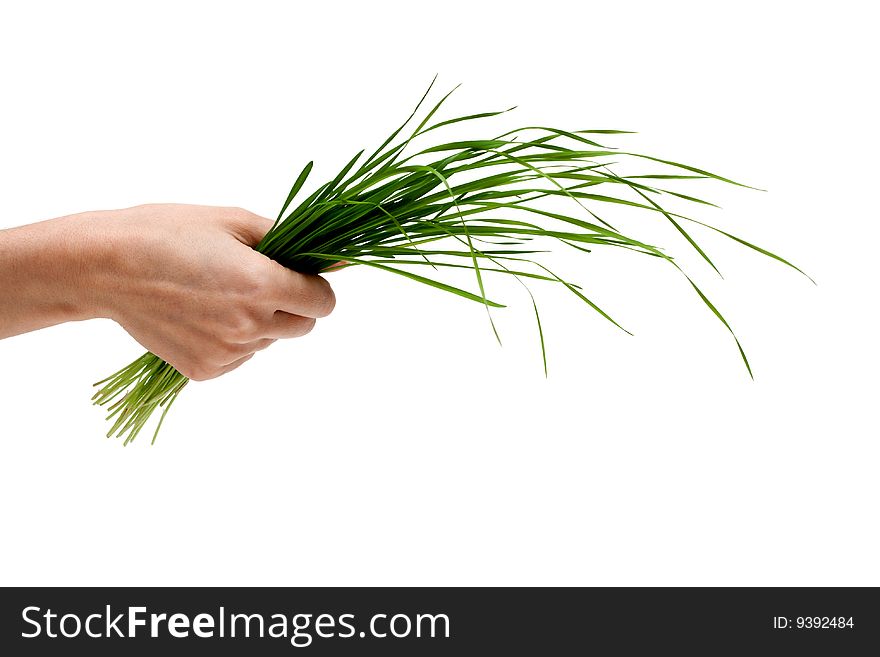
(473, 204)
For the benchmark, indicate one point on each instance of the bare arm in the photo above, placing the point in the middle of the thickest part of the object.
(183, 280)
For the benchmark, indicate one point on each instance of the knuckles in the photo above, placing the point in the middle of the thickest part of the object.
(253, 279)
(198, 371)
(236, 212)
(241, 327)
(306, 325)
(224, 352)
(325, 299)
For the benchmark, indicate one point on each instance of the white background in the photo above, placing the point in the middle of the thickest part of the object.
(398, 444)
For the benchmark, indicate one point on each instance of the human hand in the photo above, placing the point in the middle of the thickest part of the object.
(183, 280)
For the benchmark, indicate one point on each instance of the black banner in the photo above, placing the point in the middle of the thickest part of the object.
(438, 621)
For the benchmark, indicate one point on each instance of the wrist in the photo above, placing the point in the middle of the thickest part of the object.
(72, 261)
(59, 271)
(94, 262)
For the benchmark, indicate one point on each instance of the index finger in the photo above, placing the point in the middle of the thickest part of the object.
(306, 295)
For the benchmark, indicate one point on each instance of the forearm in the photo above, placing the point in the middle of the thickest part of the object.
(48, 274)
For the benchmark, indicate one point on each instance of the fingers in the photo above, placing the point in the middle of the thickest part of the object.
(264, 343)
(227, 355)
(290, 291)
(248, 228)
(236, 351)
(232, 366)
(203, 369)
(285, 325)
(301, 294)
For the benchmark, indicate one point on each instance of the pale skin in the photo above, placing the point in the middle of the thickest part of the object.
(183, 280)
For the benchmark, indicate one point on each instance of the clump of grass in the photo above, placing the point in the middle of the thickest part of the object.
(413, 210)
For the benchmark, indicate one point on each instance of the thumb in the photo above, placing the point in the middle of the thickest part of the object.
(249, 228)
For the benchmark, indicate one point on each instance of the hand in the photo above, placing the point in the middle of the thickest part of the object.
(183, 280)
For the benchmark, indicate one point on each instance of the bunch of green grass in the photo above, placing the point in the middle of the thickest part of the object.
(474, 204)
